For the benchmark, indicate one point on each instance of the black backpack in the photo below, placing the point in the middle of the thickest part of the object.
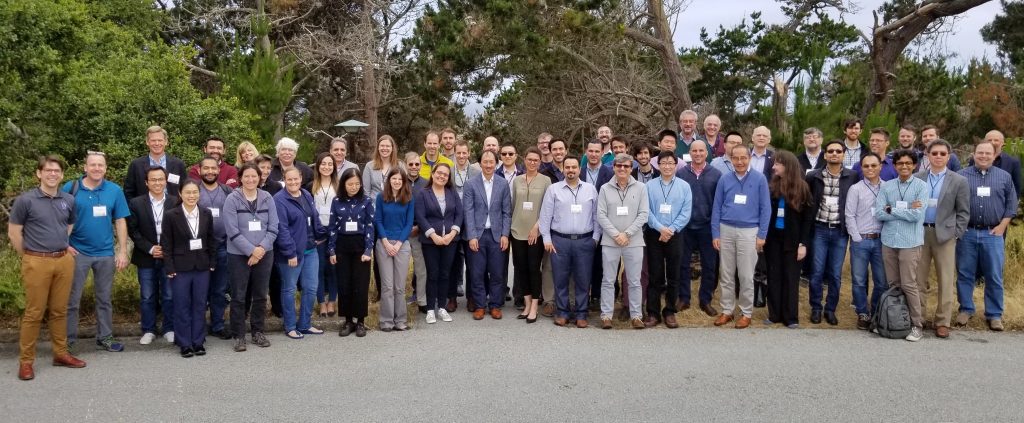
(892, 316)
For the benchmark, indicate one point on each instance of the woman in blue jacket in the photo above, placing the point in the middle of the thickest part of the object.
(295, 253)
(438, 215)
(350, 248)
(393, 222)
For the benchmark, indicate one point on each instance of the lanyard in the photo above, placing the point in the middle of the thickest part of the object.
(575, 194)
(872, 191)
(158, 212)
(188, 221)
(663, 192)
(938, 181)
(251, 205)
(462, 179)
(903, 192)
(528, 183)
(622, 193)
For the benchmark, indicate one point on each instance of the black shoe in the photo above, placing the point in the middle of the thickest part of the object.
(521, 317)
(816, 316)
(520, 304)
(360, 330)
(222, 334)
(200, 350)
(830, 317)
(423, 309)
(187, 352)
(346, 329)
(863, 322)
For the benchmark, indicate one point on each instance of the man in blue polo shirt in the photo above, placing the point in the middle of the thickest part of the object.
(100, 209)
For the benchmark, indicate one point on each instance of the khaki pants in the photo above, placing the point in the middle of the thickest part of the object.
(944, 257)
(47, 283)
(901, 270)
(738, 257)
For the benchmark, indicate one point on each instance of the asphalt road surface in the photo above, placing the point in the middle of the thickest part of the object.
(509, 371)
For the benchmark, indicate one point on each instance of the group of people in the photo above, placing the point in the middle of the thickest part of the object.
(222, 237)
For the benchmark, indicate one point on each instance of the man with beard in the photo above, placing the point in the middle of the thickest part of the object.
(214, 147)
(212, 196)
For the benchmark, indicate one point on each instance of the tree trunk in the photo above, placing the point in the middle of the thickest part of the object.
(663, 45)
(371, 94)
(780, 100)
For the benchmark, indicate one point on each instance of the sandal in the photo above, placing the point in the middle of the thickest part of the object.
(294, 335)
(312, 331)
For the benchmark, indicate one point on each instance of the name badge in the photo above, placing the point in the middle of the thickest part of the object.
(901, 204)
(665, 209)
(933, 202)
(873, 210)
(621, 211)
(255, 226)
(740, 199)
(99, 211)
(309, 221)
(687, 158)
(195, 244)
(528, 205)
(576, 208)
(984, 191)
(173, 178)
(323, 209)
(831, 201)
(215, 211)
(282, 183)
(351, 226)
(781, 211)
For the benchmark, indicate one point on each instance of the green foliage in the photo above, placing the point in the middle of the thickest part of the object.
(728, 66)
(263, 89)
(1007, 33)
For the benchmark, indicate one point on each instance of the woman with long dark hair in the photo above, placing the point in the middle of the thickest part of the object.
(789, 234)
(392, 221)
(350, 248)
(438, 214)
(325, 188)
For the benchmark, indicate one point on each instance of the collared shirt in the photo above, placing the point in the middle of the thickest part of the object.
(96, 210)
(828, 210)
(670, 204)
(683, 144)
(741, 202)
(935, 181)
(592, 175)
(44, 219)
(162, 162)
(723, 165)
(646, 177)
(607, 157)
(757, 161)
(459, 178)
(557, 213)
(902, 227)
(702, 186)
(812, 159)
(860, 210)
(192, 219)
(852, 156)
(1001, 201)
(488, 186)
(158, 213)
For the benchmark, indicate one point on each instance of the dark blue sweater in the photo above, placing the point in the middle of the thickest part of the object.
(295, 235)
(703, 189)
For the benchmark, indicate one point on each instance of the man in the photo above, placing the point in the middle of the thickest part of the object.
(866, 246)
(1003, 161)
(945, 221)
(622, 211)
(101, 209)
(490, 144)
(855, 150)
(554, 169)
(712, 134)
(135, 179)
(509, 167)
(567, 226)
(879, 142)
(812, 157)
(739, 225)
(900, 207)
(144, 227)
(339, 150)
(907, 137)
(667, 142)
(929, 134)
(619, 146)
(687, 133)
(670, 200)
(431, 155)
(462, 172)
(703, 181)
(595, 173)
(604, 136)
(488, 218)
(761, 158)
(39, 225)
(993, 203)
(644, 171)
(228, 174)
(212, 196)
(419, 267)
(544, 145)
(448, 143)
(830, 187)
(724, 162)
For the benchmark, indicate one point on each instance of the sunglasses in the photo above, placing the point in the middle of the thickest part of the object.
(832, 151)
(507, 154)
(939, 153)
(623, 166)
(869, 166)
(904, 163)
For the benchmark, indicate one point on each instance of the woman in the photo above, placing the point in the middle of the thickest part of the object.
(384, 159)
(295, 254)
(190, 254)
(245, 153)
(325, 188)
(287, 150)
(393, 222)
(789, 234)
(527, 247)
(265, 163)
(250, 225)
(438, 215)
(350, 247)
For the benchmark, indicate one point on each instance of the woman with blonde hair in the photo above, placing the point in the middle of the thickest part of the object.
(384, 159)
(245, 153)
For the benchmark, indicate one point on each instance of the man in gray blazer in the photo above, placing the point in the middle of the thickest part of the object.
(945, 221)
(488, 222)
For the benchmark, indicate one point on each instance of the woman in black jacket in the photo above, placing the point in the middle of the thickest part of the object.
(190, 254)
(789, 234)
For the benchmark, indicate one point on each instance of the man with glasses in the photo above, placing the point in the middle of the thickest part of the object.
(900, 207)
(687, 134)
(419, 267)
(135, 179)
(813, 157)
(622, 211)
(509, 167)
(544, 145)
(663, 236)
(865, 236)
(1003, 160)
(145, 227)
(879, 142)
(724, 162)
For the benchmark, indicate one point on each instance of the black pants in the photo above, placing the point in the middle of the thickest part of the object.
(353, 276)
(439, 262)
(241, 277)
(663, 267)
(783, 282)
(455, 275)
(527, 260)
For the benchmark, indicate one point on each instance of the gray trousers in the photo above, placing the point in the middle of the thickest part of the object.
(901, 269)
(419, 268)
(738, 255)
(547, 283)
(633, 261)
(393, 272)
(103, 287)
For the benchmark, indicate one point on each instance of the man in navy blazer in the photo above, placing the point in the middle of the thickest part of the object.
(488, 222)
(596, 174)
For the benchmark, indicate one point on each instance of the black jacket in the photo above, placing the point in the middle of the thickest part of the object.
(178, 257)
(797, 226)
(277, 176)
(135, 180)
(816, 180)
(805, 164)
(142, 227)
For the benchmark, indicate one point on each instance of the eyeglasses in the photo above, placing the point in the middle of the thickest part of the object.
(507, 154)
(95, 153)
(939, 153)
(904, 163)
(53, 171)
(623, 166)
(413, 165)
(869, 166)
(833, 151)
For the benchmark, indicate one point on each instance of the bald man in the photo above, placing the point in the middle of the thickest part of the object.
(1003, 161)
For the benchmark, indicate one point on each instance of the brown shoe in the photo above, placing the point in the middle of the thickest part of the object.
(942, 332)
(709, 310)
(478, 314)
(996, 324)
(68, 360)
(606, 323)
(670, 321)
(560, 321)
(681, 306)
(637, 323)
(651, 321)
(743, 322)
(723, 319)
(451, 306)
(25, 371)
(496, 313)
(470, 304)
(582, 323)
(548, 310)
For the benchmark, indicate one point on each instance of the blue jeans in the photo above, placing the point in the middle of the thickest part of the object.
(306, 274)
(867, 252)
(572, 262)
(327, 285)
(698, 239)
(829, 253)
(217, 295)
(190, 291)
(151, 281)
(981, 251)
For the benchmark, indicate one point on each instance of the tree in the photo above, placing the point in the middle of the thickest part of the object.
(1006, 32)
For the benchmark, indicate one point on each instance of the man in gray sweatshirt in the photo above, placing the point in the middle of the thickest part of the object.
(622, 208)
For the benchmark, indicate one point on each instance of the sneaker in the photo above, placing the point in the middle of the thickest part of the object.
(445, 317)
(996, 324)
(962, 318)
(863, 322)
(430, 317)
(360, 330)
(169, 336)
(147, 338)
(793, 326)
(240, 344)
(915, 334)
(260, 339)
(109, 344)
(401, 327)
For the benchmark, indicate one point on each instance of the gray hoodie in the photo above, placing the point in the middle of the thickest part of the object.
(634, 199)
(237, 216)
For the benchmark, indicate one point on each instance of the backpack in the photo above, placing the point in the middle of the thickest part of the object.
(892, 316)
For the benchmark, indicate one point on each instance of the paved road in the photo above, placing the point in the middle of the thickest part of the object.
(509, 371)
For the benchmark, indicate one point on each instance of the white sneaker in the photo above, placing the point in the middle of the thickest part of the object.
(444, 315)
(430, 317)
(915, 334)
(169, 336)
(147, 338)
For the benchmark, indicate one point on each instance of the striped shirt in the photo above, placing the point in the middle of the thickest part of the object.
(993, 196)
(860, 207)
(902, 227)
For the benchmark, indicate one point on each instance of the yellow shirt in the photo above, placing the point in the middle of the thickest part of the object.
(425, 168)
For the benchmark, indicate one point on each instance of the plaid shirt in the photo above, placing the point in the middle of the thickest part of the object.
(828, 211)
